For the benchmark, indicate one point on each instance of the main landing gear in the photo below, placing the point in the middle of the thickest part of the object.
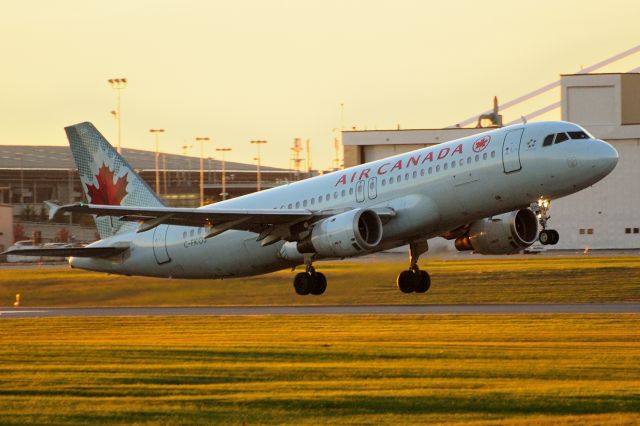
(546, 236)
(310, 281)
(414, 279)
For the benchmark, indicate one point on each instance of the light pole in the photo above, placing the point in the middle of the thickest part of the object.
(224, 179)
(202, 140)
(118, 84)
(157, 132)
(259, 178)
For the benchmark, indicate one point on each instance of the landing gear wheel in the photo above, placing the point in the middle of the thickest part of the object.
(549, 236)
(303, 283)
(406, 281)
(319, 284)
(544, 237)
(423, 281)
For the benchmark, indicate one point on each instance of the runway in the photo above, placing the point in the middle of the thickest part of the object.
(565, 308)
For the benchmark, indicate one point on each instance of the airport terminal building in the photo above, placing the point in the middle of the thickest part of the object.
(604, 216)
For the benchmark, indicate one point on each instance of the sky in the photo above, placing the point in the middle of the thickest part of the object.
(236, 71)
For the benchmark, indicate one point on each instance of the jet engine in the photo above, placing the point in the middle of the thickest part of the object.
(504, 234)
(344, 235)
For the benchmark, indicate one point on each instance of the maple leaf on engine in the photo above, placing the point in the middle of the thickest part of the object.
(107, 192)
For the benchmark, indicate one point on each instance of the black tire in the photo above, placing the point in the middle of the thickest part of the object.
(302, 283)
(555, 237)
(544, 237)
(319, 284)
(423, 281)
(406, 281)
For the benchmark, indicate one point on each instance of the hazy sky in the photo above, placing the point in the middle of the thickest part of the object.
(276, 70)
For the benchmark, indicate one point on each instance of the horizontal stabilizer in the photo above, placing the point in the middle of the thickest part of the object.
(101, 252)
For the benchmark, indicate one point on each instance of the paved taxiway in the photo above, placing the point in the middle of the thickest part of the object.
(578, 308)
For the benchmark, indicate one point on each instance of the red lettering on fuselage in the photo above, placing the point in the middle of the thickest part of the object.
(364, 174)
(380, 171)
(413, 160)
(443, 153)
(458, 149)
(429, 157)
(397, 166)
(342, 180)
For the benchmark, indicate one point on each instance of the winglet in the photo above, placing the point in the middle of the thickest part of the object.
(53, 209)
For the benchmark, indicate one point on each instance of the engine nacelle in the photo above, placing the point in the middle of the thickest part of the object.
(504, 234)
(344, 235)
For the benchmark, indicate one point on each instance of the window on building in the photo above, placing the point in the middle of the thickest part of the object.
(590, 231)
(581, 231)
(627, 230)
(636, 230)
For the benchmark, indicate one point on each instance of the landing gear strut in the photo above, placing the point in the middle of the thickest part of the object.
(310, 281)
(414, 279)
(546, 236)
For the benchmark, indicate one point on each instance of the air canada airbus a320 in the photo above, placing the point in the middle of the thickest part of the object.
(489, 192)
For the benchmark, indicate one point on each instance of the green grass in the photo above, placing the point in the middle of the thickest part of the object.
(524, 369)
(533, 279)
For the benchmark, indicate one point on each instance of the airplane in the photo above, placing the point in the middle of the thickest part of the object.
(489, 192)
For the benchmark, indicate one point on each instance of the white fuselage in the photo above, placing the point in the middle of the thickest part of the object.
(432, 190)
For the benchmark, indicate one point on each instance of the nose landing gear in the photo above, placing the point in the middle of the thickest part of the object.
(546, 236)
(414, 279)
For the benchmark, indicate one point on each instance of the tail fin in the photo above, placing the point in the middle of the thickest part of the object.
(106, 177)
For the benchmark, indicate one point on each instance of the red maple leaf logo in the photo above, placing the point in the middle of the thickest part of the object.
(481, 143)
(107, 192)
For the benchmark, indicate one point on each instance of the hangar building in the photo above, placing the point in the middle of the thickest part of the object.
(604, 216)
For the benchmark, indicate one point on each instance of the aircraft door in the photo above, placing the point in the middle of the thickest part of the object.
(511, 151)
(360, 191)
(372, 188)
(160, 244)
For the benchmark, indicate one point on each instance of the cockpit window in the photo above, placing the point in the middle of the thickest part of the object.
(561, 137)
(578, 135)
(548, 140)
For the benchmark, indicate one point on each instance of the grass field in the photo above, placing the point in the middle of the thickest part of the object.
(526, 369)
(533, 279)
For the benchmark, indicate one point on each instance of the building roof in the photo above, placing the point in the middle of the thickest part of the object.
(59, 158)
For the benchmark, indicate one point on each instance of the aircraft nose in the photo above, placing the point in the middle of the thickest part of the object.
(606, 157)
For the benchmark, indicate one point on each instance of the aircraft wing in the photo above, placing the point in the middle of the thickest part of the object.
(67, 251)
(274, 223)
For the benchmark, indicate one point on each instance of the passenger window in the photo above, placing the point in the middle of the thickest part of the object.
(561, 137)
(192, 233)
(415, 174)
(350, 191)
(430, 170)
(548, 140)
(578, 135)
(320, 199)
(468, 160)
(328, 197)
(422, 172)
(304, 203)
(390, 180)
(343, 193)
(399, 178)
(384, 182)
(313, 201)
(453, 164)
(446, 166)
(335, 194)
(184, 234)
(438, 168)
(199, 231)
(297, 204)
(406, 176)
(290, 206)
(493, 154)
(484, 156)
(477, 157)
(462, 162)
